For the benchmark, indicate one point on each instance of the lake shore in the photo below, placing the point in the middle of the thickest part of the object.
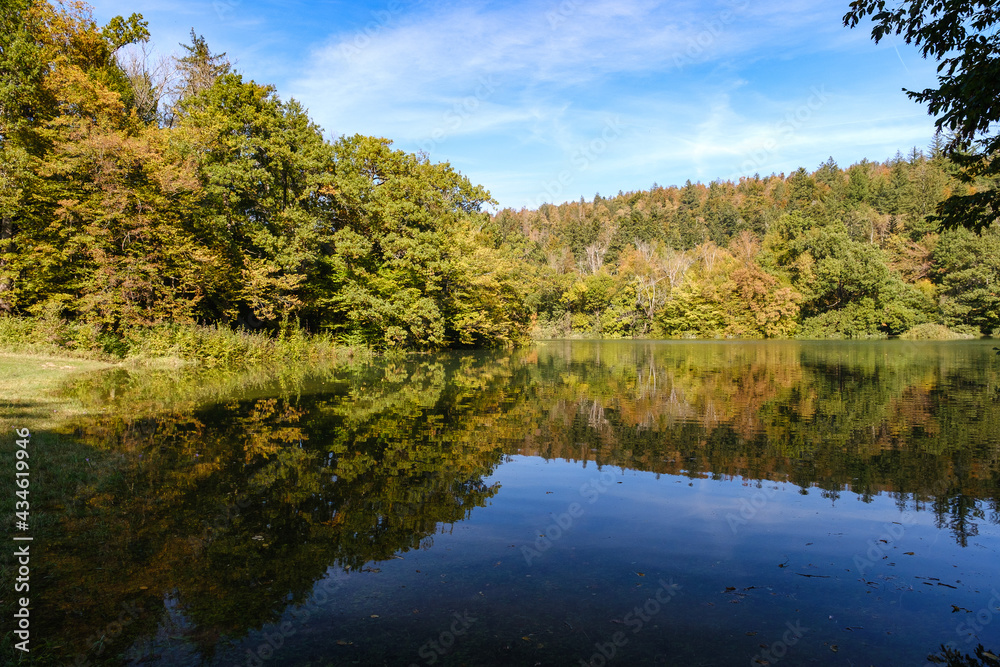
(29, 384)
(172, 345)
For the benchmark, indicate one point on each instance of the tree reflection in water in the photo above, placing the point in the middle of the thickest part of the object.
(229, 499)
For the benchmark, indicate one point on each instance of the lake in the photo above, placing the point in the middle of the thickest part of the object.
(571, 503)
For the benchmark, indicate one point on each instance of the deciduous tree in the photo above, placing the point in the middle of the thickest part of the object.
(962, 35)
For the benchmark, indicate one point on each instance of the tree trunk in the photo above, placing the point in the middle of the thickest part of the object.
(6, 284)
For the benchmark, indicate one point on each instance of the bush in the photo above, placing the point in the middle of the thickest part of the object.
(931, 331)
(209, 346)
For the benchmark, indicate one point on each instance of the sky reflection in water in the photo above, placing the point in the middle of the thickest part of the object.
(625, 502)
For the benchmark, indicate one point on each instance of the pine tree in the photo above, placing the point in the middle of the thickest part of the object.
(197, 71)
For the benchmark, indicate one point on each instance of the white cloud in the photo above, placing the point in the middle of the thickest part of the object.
(509, 93)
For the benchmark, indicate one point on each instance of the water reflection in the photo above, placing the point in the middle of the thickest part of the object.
(213, 509)
(917, 422)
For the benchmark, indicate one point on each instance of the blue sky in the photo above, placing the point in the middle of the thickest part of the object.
(551, 101)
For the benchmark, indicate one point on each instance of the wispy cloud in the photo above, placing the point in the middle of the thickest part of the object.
(540, 55)
(509, 92)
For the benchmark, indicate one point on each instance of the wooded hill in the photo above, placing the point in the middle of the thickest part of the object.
(833, 253)
(139, 193)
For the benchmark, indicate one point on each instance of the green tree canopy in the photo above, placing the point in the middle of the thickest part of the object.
(963, 36)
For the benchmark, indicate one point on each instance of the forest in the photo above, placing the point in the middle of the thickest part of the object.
(145, 194)
(833, 253)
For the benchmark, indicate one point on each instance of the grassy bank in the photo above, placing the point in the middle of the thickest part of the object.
(29, 386)
(40, 356)
(170, 344)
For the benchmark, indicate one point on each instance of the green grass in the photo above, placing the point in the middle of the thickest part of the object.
(171, 345)
(52, 394)
(29, 389)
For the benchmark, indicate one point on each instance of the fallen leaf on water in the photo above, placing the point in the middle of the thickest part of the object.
(833, 647)
(341, 642)
(908, 553)
(641, 574)
(374, 615)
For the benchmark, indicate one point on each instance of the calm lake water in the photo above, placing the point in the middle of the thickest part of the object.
(629, 503)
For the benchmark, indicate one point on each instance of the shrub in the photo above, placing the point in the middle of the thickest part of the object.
(931, 331)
